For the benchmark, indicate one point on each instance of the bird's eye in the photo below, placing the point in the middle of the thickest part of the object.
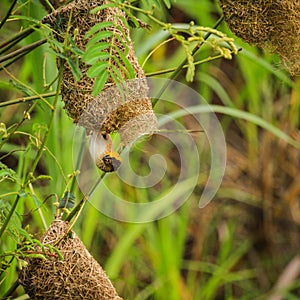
(104, 135)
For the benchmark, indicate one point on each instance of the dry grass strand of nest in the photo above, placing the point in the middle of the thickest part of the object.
(271, 24)
(78, 276)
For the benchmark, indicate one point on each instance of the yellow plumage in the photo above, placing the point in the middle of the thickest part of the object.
(101, 149)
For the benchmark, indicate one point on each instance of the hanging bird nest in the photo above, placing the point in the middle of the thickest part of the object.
(77, 276)
(114, 107)
(270, 24)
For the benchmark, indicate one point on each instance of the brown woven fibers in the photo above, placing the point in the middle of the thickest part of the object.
(78, 276)
(97, 113)
(271, 24)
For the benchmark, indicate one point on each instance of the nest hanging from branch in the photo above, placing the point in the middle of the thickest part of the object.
(77, 276)
(114, 107)
(270, 24)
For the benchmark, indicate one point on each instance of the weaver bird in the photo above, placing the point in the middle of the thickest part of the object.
(101, 149)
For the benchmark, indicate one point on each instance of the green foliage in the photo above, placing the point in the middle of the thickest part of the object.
(193, 253)
(107, 50)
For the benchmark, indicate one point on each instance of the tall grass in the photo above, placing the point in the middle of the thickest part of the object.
(227, 250)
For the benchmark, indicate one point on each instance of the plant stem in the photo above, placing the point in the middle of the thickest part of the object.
(28, 88)
(179, 68)
(76, 210)
(7, 219)
(210, 58)
(26, 99)
(8, 13)
(41, 149)
(28, 111)
(18, 37)
(78, 163)
(37, 158)
(23, 50)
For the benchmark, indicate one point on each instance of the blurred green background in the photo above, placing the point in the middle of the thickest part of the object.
(243, 245)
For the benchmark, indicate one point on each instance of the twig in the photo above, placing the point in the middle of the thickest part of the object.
(8, 13)
(41, 149)
(26, 99)
(7, 219)
(76, 210)
(22, 50)
(210, 58)
(15, 39)
(179, 68)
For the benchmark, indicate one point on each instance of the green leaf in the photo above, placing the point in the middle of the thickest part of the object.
(43, 177)
(56, 43)
(116, 75)
(98, 37)
(3, 131)
(91, 54)
(121, 67)
(99, 83)
(74, 68)
(62, 56)
(60, 256)
(167, 3)
(99, 56)
(7, 173)
(128, 65)
(123, 37)
(73, 47)
(190, 72)
(98, 27)
(104, 6)
(97, 69)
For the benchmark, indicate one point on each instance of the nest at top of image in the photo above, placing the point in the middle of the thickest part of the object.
(273, 25)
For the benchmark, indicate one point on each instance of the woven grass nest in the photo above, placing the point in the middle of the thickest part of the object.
(127, 110)
(270, 24)
(78, 276)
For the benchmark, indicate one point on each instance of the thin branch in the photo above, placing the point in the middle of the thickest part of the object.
(41, 149)
(8, 13)
(77, 209)
(22, 50)
(11, 212)
(29, 88)
(208, 59)
(179, 68)
(15, 39)
(26, 99)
